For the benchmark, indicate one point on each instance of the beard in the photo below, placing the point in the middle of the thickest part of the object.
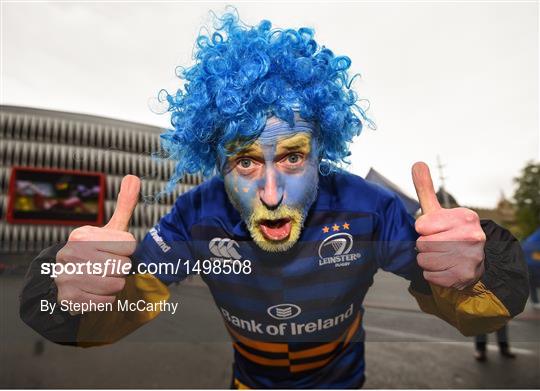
(262, 218)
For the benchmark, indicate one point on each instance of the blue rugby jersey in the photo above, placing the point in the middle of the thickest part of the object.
(296, 319)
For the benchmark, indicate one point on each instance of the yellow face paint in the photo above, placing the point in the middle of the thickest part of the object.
(260, 213)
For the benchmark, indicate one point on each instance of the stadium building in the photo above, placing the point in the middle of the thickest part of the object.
(33, 139)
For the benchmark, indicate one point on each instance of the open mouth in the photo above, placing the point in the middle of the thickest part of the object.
(278, 229)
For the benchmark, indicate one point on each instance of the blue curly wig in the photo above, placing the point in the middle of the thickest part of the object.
(244, 74)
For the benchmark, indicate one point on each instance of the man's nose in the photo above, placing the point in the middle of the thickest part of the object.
(271, 192)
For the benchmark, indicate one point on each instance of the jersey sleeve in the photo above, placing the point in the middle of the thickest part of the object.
(92, 328)
(168, 244)
(158, 258)
(156, 263)
(395, 243)
(500, 294)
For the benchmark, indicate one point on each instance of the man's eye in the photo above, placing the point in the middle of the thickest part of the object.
(294, 158)
(245, 163)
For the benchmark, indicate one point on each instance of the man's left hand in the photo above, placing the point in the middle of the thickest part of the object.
(451, 243)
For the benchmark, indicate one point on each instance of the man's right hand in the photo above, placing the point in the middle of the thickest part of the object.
(94, 244)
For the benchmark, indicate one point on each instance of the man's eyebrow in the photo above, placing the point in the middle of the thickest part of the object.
(253, 149)
(299, 145)
(295, 143)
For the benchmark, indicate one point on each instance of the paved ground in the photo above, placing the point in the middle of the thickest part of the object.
(406, 348)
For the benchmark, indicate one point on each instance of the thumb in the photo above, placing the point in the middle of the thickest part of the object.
(424, 188)
(125, 203)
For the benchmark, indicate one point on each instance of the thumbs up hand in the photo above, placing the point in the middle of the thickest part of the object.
(96, 247)
(451, 243)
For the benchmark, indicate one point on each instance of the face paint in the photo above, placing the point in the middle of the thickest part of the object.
(273, 182)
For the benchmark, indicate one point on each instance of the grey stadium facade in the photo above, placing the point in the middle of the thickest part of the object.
(39, 138)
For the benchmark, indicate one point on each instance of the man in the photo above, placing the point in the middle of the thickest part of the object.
(272, 112)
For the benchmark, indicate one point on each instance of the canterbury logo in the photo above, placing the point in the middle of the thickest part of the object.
(224, 248)
(284, 311)
(337, 244)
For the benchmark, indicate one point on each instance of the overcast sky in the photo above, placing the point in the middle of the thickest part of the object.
(459, 80)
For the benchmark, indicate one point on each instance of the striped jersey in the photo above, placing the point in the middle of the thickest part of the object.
(295, 317)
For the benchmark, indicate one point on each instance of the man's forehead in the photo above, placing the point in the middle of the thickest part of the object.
(293, 142)
(277, 129)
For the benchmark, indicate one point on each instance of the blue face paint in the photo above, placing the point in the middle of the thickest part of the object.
(273, 182)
